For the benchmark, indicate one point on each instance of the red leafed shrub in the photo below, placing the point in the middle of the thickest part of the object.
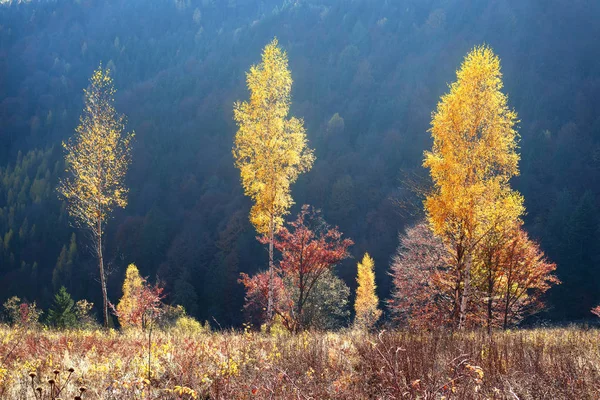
(309, 249)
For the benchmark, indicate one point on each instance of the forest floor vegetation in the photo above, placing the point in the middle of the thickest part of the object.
(94, 364)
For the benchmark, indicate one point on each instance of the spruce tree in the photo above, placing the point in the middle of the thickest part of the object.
(62, 314)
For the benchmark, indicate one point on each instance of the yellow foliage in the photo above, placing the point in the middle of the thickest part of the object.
(474, 153)
(473, 158)
(367, 312)
(3, 378)
(132, 285)
(277, 328)
(185, 391)
(270, 149)
(97, 157)
(189, 326)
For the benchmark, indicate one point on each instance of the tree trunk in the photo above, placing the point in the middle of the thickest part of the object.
(489, 302)
(465, 294)
(271, 272)
(506, 304)
(489, 316)
(300, 305)
(102, 275)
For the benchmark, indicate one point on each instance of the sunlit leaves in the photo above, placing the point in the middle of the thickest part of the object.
(97, 157)
(511, 275)
(474, 152)
(366, 304)
(270, 150)
(310, 249)
(474, 156)
(141, 303)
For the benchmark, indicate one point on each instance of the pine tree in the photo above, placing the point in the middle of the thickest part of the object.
(62, 314)
(367, 302)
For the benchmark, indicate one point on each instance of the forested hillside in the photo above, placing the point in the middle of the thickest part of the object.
(367, 76)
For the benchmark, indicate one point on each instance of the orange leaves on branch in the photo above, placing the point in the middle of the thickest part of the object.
(507, 286)
(309, 249)
(257, 295)
(526, 276)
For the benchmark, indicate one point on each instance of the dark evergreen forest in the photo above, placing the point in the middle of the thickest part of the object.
(367, 75)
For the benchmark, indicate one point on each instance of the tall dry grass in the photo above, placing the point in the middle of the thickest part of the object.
(527, 364)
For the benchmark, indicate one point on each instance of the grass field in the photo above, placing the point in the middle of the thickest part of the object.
(527, 364)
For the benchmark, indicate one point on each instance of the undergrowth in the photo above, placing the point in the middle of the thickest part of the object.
(525, 364)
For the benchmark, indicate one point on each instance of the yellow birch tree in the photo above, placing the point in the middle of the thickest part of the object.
(474, 156)
(366, 303)
(97, 159)
(270, 149)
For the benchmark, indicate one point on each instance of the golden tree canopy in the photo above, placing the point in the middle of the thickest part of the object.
(474, 154)
(97, 157)
(270, 149)
(367, 302)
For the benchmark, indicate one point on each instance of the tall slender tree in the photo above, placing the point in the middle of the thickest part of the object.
(270, 149)
(366, 304)
(97, 159)
(474, 155)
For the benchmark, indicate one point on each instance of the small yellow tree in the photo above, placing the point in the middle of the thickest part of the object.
(132, 286)
(366, 303)
(97, 159)
(270, 149)
(474, 156)
(141, 304)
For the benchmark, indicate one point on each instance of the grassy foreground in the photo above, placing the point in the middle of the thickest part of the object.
(536, 364)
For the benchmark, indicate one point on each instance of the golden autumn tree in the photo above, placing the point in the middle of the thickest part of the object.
(132, 285)
(367, 302)
(97, 159)
(141, 303)
(270, 149)
(474, 156)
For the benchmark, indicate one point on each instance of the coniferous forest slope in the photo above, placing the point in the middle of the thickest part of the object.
(367, 76)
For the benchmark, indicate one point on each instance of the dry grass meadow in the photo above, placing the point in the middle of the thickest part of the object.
(525, 364)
